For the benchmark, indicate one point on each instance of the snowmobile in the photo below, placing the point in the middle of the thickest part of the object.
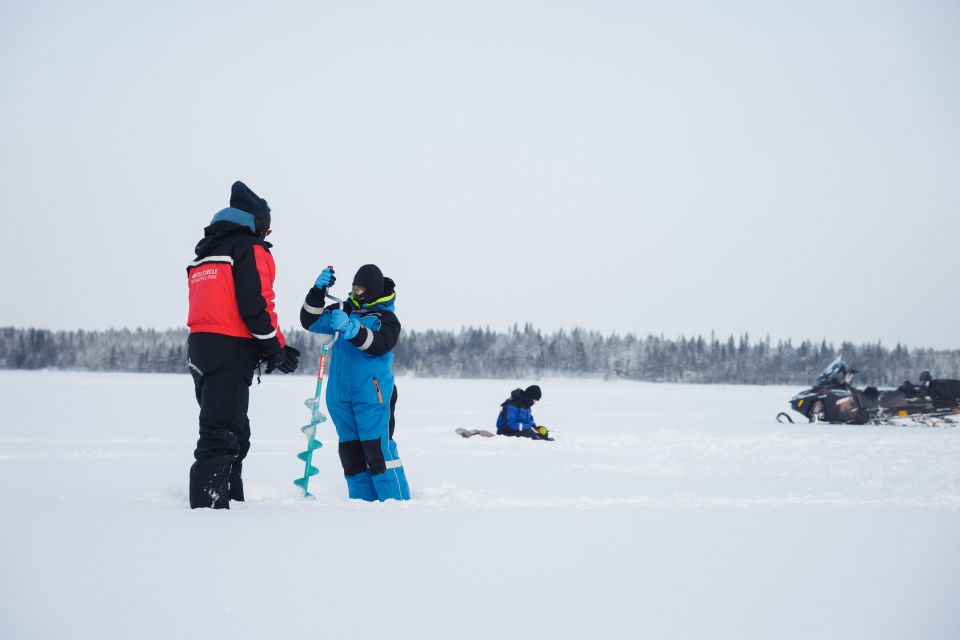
(833, 398)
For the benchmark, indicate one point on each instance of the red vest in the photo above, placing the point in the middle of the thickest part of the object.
(214, 293)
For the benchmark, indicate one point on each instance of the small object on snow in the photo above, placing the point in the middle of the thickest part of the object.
(310, 430)
(543, 432)
(466, 433)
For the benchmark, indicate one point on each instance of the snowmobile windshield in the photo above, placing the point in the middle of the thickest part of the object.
(834, 372)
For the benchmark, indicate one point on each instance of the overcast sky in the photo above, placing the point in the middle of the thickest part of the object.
(786, 168)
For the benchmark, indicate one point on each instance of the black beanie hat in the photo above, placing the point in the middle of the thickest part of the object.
(243, 198)
(532, 392)
(370, 278)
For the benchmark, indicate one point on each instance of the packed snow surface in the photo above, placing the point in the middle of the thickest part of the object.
(660, 511)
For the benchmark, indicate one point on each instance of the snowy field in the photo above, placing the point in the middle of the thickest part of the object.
(660, 511)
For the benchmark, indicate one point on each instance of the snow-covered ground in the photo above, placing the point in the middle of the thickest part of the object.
(660, 511)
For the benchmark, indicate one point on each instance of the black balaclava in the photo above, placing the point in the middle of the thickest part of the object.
(243, 198)
(532, 392)
(370, 278)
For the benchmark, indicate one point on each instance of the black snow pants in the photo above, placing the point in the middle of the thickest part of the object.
(222, 369)
(525, 433)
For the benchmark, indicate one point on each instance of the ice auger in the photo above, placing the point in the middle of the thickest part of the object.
(310, 430)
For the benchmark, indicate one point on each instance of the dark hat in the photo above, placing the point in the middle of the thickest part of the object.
(532, 392)
(243, 198)
(370, 278)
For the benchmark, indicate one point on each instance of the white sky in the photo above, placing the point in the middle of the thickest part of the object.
(784, 168)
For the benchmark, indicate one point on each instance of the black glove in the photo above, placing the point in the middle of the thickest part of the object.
(286, 360)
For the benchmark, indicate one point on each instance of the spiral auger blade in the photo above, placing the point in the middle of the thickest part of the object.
(309, 470)
(310, 430)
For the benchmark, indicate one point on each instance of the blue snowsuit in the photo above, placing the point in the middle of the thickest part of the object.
(361, 394)
(515, 417)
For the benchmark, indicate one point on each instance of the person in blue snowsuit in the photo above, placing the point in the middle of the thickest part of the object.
(516, 418)
(361, 394)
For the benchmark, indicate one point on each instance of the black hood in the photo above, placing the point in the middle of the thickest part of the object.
(371, 279)
(388, 287)
(518, 398)
(216, 232)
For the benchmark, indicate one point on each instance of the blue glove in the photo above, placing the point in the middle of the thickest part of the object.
(348, 326)
(326, 279)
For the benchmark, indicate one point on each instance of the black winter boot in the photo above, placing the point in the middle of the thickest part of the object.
(210, 483)
(236, 482)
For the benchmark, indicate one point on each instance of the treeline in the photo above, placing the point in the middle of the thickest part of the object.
(520, 353)
(142, 350)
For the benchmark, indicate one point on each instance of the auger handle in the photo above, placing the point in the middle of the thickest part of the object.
(334, 298)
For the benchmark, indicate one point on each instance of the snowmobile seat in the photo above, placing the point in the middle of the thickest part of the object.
(892, 398)
(945, 393)
(910, 390)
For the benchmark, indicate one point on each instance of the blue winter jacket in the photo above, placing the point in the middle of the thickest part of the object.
(515, 413)
(361, 369)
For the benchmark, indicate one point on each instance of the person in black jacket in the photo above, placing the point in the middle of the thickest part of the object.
(233, 328)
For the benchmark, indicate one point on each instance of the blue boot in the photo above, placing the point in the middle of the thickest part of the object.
(361, 487)
(392, 483)
(402, 475)
(388, 485)
(404, 487)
